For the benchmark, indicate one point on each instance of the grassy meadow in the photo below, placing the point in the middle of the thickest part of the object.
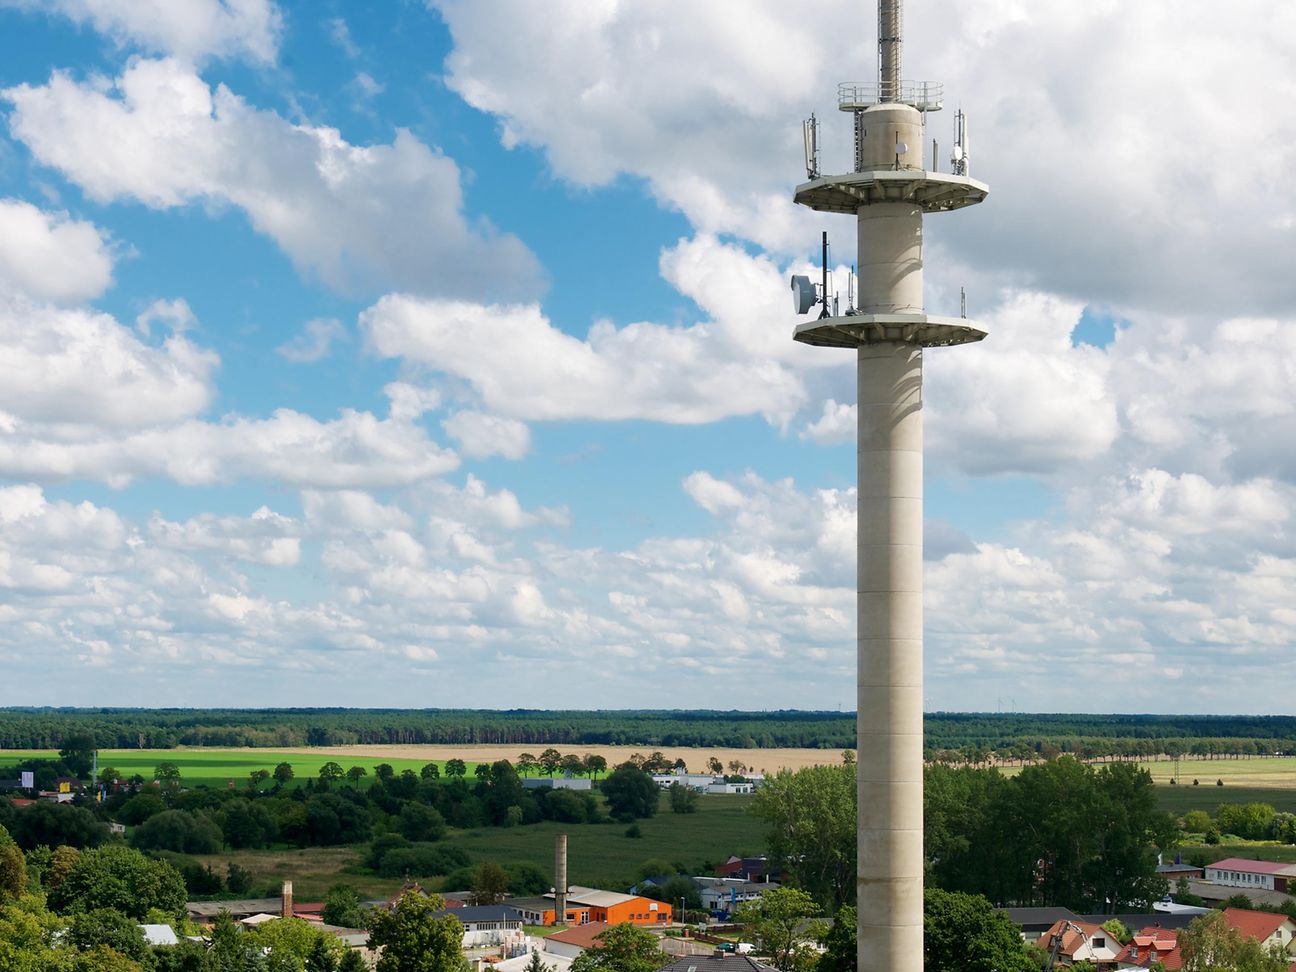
(599, 855)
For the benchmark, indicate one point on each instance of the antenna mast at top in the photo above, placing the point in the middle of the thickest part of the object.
(890, 22)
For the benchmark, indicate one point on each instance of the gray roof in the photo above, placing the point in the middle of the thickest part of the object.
(482, 913)
(532, 904)
(724, 962)
(243, 906)
(1039, 917)
(1156, 919)
(159, 934)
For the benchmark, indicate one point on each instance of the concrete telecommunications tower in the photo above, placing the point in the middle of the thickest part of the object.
(888, 192)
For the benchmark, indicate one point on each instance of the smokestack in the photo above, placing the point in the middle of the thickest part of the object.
(287, 905)
(560, 878)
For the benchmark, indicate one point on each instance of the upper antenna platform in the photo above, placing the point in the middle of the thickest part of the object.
(858, 95)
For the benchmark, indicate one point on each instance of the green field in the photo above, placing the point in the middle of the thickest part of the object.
(599, 855)
(1180, 799)
(216, 767)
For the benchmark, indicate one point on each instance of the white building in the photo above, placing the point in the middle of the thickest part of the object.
(694, 781)
(1236, 872)
(490, 925)
(557, 783)
(728, 895)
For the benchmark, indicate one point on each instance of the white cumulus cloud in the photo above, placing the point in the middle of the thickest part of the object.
(190, 29)
(50, 256)
(355, 216)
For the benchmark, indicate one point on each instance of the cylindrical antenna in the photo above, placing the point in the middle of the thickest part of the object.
(889, 30)
(825, 277)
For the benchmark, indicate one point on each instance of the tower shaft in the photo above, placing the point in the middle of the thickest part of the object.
(889, 876)
(890, 13)
(889, 193)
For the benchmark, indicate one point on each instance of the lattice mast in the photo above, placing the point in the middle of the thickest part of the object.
(889, 191)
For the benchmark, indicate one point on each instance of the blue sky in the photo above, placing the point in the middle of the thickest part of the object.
(342, 338)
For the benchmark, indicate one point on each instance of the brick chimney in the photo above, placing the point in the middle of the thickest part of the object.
(287, 909)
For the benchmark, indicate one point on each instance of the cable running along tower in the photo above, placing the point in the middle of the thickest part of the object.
(889, 191)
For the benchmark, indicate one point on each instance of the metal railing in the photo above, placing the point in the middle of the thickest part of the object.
(923, 95)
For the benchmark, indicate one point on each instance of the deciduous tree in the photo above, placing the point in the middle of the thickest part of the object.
(343, 907)
(631, 793)
(683, 799)
(414, 939)
(810, 820)
(1211, 944)
(77, 754)
(550, 759)
(120, 878)
(963, 933)
(594, 765)
(491, 884)
(773, 920)
(110, 928)
(622, 948)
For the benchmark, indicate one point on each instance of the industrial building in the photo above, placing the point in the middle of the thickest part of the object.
(588, 905)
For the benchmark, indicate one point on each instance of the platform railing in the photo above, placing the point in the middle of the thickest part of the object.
(923, 95)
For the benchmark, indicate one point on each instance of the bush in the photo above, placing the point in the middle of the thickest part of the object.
(634, 832)
(238, 880)
(565, 806)
(526, 879)
(421, 823)
(380, 845)
(421, 860)
(245, 823)
(200, 880)
(342, 907)
(683, 799)
(139, 808)
(179, 831)
(53, 824)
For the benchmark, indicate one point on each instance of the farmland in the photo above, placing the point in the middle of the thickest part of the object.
(600, 855)
(216, 767)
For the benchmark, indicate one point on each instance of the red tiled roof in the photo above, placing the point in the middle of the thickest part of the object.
(1072, 939)
(1153, 945)
(1254, 924)
(1251, 867)
(581, 935)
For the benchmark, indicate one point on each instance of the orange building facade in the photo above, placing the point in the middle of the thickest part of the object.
(589, 905)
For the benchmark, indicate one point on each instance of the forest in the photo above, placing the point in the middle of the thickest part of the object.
(951, 737)
(112, 728)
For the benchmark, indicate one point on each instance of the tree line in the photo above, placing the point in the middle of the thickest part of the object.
(47, 728)
(1059, 833)
(968, 738)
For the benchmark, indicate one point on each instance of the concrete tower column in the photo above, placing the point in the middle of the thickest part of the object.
(889, 193)
(889, 765)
